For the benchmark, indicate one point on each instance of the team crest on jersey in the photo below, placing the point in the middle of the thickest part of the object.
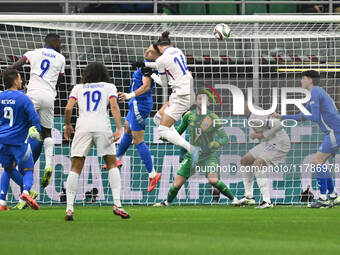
(206, 123)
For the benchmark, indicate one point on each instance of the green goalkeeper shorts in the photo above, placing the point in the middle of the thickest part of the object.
(206, 165)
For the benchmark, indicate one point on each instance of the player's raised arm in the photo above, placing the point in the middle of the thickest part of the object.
(16, 65)
(313, 107)
(115, 110)
(140, 91)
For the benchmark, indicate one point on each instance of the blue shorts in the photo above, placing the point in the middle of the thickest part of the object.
(137, 115)
(330, 144)
(19, 154)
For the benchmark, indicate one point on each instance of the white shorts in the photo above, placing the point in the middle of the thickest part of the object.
(83, 142)
(268, 153)
(178, 105)
(44, 105)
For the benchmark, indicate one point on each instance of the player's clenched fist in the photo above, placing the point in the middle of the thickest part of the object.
(68, 131)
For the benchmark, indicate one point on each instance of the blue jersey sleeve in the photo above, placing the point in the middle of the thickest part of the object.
(31, 114)
(313, 106)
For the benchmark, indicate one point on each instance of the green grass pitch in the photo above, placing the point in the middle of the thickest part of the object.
(172, 230)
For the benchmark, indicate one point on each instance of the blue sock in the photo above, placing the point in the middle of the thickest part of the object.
(124, 144)
(36, 148)
(330, 185)
(28, 180)
(17, 177)
(145, 155)
(322, 175)
(4, 184)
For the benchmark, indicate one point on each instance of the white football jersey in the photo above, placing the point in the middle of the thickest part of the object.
(174, 64)
(272, 129)
(46, 66)
(93, 100)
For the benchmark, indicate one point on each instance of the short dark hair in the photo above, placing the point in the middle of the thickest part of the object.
(52, 38)
(95, 72)
(9, 76)
(312, 74)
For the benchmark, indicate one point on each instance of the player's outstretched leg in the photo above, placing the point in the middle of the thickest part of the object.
(179, 181)
(27, 185)
(4, 184)
(71, 191)
(222, 188)
(262, 182)
(123, 146)
(323, 175)
(48, 147)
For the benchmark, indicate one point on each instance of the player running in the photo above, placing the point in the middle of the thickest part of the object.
(172, 63)
(47, 65)
(18, 119)
(93, 95)
(203, 131)
(324, 112)
(273, 149)
(140, 106)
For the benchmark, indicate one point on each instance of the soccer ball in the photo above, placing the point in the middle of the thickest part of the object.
(222, 31)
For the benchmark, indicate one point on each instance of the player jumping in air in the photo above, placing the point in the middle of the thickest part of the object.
(140, 106)
(203, 131)
(18, 119)
(93, 95)
(172, 64)
(47, 65)
(273, 149)
(324, 112)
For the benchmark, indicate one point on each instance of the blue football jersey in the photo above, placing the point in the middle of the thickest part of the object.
(323, 110)
(17, 115)
(137, 82)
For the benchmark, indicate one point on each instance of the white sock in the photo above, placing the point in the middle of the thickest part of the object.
(48, 147)
(248, 182)
(333, 195)
(323, 196)
(26, 192)
(262, 182)
(152, 174)
(3, 202)
(114, 179)
(71, 189)
(173, 137)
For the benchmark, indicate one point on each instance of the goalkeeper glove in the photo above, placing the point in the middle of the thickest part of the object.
(214, 145)
(138, 64)
(34, 133)
(147, 71)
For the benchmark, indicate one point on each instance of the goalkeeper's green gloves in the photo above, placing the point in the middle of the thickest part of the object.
(214, 145)
(34, 133)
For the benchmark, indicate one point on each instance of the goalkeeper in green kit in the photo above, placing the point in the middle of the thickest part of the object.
(207, 133)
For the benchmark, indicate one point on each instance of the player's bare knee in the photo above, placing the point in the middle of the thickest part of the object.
(110, 161)
(46, 132)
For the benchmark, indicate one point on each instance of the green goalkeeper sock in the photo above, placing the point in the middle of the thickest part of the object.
(172, 193)
(224, 189)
